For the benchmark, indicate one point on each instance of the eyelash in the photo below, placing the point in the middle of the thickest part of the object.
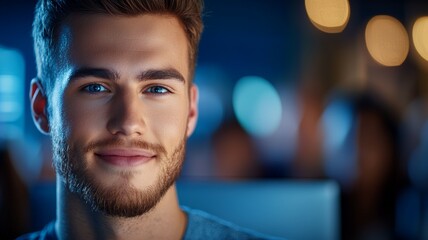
(102, 89)
(157, 87)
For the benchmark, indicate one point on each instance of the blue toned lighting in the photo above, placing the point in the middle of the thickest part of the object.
(12, 70)
(409, 214)
(211, 111)
(339, 142)
(418, 164)
(257, 105)
(11, 106)
(336, 122)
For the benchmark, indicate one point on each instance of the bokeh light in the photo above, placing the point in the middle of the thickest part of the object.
(329, 16)
(257, 105)
(10, 106)
(420, 36)
(12, 70)
(339, 153)
(211, 111)
(336, 121)
(387, 40)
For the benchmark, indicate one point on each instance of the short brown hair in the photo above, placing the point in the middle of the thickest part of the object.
(50, 14)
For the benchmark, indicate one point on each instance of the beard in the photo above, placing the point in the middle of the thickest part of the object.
(121, 199)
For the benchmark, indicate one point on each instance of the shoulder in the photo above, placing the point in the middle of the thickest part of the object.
(202, 225)
(47, 233)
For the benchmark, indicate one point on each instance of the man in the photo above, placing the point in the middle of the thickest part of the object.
(114, 91)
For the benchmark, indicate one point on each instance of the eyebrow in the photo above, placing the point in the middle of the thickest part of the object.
(150, 74)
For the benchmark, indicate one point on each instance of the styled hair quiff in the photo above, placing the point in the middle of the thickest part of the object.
(50, 14)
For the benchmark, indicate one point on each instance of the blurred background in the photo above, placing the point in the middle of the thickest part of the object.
(315, 89)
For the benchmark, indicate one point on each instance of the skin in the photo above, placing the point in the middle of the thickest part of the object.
(139, 97)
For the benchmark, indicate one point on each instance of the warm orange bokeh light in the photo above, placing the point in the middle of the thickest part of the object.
(387, 40)
(420, 36)
(329, 16)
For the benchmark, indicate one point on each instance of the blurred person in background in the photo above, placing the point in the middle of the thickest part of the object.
(115, 92)
(308, 162)
(235, 154)
(369, 205)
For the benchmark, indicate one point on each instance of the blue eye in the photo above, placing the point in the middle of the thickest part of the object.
(95, 88)
(157, 90)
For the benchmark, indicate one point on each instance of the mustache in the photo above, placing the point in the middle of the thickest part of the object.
(119, 142)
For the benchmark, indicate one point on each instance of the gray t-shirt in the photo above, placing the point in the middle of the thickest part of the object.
(200, 225)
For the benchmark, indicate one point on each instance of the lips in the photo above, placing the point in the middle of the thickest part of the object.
(124, 157)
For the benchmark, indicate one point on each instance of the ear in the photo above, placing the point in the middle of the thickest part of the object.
(38, 106)
(193, 111)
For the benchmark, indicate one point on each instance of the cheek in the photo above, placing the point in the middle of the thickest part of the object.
(169, 123)
(84, 121)
(57, 117)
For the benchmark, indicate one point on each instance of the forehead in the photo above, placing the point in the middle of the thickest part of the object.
(100, 39)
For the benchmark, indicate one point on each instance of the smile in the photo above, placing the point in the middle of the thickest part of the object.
(124, 157)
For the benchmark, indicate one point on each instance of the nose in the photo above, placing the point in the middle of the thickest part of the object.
(125, 116)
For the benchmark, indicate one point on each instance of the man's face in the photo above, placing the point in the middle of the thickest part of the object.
(122, 109)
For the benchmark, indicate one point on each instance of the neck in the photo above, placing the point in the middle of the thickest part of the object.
(76, 220)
